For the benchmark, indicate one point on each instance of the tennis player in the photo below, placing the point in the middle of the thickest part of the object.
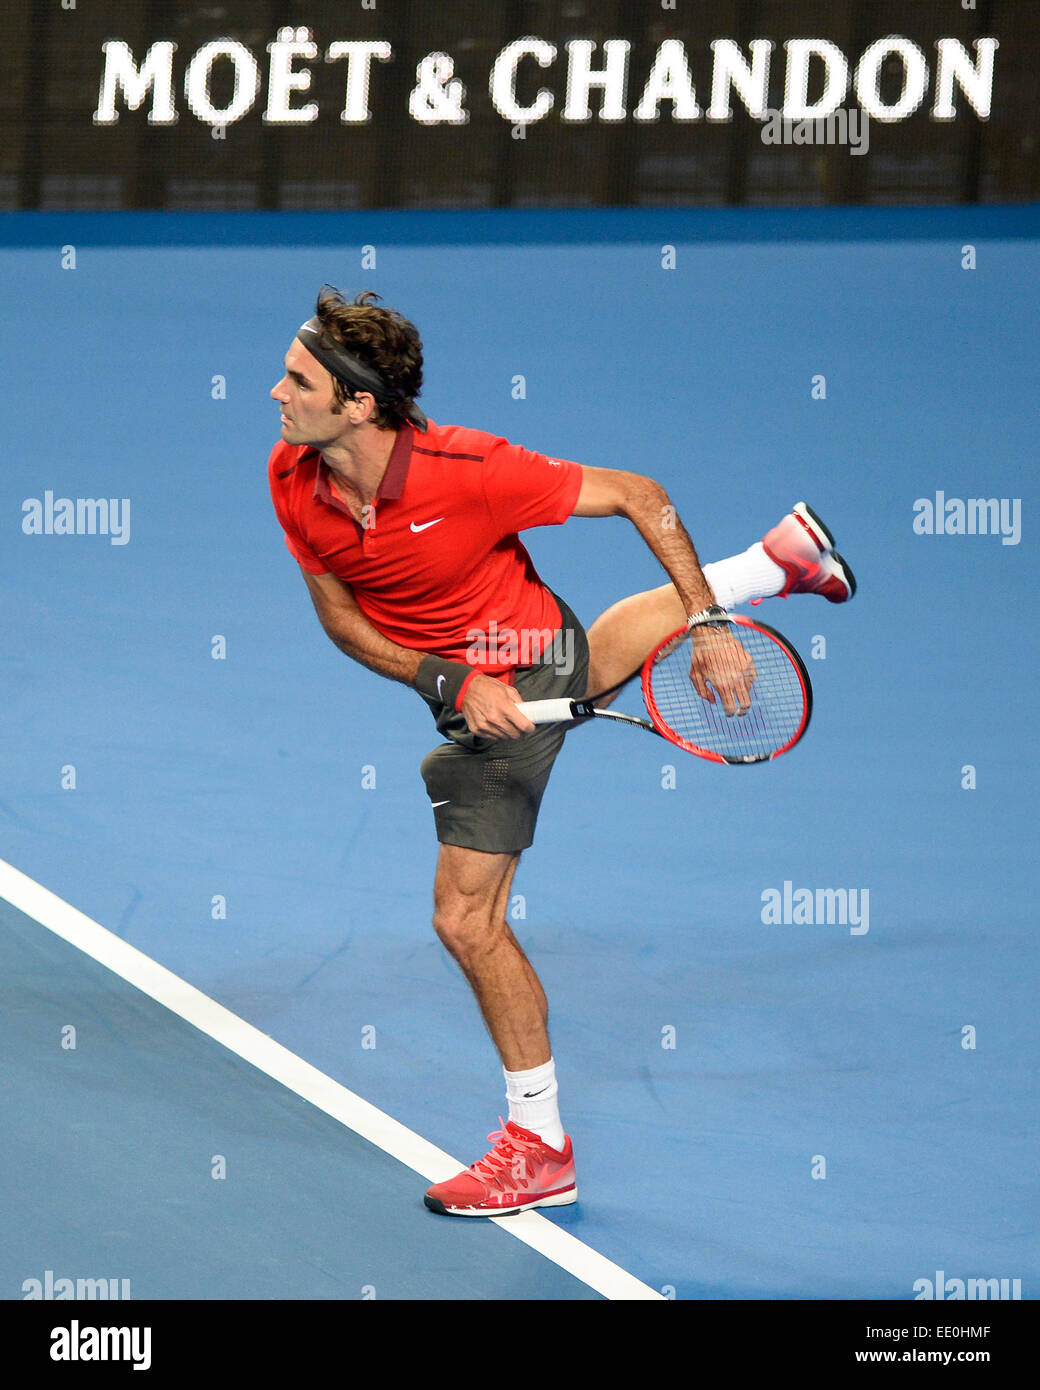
(406, 533)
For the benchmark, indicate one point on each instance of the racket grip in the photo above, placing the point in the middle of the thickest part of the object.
(547, 711)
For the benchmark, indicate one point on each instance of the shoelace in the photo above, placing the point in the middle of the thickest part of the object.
(506, 1149)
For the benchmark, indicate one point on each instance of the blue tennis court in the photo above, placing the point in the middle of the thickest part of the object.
(826, 1101)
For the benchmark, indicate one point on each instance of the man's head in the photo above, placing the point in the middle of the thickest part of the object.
(352, 364)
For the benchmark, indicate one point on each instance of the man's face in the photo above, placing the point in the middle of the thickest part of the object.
(306, 397)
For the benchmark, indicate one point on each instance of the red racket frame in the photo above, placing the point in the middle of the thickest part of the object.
(680, 742)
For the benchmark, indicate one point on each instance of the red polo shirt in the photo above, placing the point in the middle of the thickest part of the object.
(438, 561)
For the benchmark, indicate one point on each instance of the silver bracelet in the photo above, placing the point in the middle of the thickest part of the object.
(714, 614)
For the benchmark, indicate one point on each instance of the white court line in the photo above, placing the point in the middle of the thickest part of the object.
(279, 1063)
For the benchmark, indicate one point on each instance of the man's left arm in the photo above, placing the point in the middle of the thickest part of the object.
(613, 492)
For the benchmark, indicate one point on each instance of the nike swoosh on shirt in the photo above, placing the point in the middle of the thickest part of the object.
(425, 525)
(439, 803)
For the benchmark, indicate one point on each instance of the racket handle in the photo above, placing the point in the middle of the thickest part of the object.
(547, 711)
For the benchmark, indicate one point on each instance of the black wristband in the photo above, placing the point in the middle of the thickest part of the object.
(442, 681)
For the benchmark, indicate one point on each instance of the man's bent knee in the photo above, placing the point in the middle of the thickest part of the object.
(469, 933)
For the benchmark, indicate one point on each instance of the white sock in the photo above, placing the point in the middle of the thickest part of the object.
(744, 577)
(533, 1104)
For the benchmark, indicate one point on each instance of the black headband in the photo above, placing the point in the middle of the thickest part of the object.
(353, 372)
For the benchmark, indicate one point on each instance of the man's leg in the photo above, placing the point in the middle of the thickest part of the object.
(524, 1169)
(623, 637)
(796, 557)
(471, 895)
(487, 795)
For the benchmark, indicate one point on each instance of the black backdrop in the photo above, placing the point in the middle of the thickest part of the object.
(61, 151)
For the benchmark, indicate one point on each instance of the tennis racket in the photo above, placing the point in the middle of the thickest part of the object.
(779, 695)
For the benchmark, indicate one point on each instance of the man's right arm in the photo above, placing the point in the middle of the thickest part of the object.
(488, 706)
(341, 617)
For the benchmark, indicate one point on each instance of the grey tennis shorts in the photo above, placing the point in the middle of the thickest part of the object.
(486, 792)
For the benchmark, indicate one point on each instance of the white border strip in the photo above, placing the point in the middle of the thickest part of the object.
(278, 1062)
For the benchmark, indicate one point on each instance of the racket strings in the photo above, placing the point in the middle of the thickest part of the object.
(777, 708)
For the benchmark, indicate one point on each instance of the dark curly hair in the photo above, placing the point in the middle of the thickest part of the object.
(381, 338)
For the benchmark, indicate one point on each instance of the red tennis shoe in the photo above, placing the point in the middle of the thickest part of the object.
(804, 549)
(519, 1173)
